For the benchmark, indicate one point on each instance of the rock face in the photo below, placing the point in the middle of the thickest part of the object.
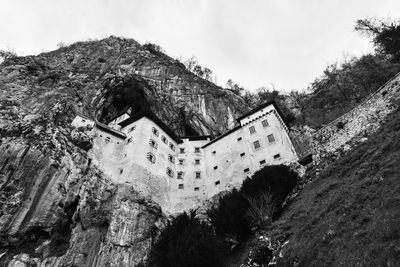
(356, 125)
(56, 207)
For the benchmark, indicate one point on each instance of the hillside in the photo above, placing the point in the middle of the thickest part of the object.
(349, 214)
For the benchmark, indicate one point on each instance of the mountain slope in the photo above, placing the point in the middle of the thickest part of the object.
(56, 207)
(349, 215)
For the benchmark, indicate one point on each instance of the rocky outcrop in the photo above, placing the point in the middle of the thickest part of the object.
(56, 207)
(58, 210)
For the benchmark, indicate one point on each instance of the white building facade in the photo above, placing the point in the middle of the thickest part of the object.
(181, 172)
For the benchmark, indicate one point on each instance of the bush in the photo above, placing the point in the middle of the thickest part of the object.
(188, 242)
(259, 199)
(278, 180)
(261, 209)
(228, 217)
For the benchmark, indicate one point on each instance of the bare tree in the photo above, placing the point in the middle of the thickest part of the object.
(261, 209)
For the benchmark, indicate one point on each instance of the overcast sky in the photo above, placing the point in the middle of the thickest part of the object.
(287, 43)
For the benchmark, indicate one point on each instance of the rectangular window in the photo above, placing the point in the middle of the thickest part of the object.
(196, 188)
(257, 145)
(197, 149)
(217, 182)
(252, 129)
(242, 154)
(180, 175)
(180, 161)
(246, 170)
(181, 150)
(277, 156)
(215, 167)
(262, 162)
(214, 152)
(265, 123)
(197, 161)
(180, 186)
(198, 175)
(271, 138)
(239, 139)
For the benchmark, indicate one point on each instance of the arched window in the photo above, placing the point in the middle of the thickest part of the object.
(170, 173)
(164, 139)
(155, 131)
(153, 143)
(151, 157)
(171, 158)
(171, 145)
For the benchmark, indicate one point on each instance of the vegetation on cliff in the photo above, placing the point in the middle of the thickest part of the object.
(186, 241)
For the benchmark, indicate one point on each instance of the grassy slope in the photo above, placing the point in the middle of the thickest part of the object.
(350, 214)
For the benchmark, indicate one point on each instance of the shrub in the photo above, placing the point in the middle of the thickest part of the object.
(278, 180)
(259, 199)
(228, 217)
(261, 209)
(188, 242)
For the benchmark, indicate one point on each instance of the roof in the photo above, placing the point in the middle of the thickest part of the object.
(196, 138)
(266, 104)
(223, 135)
(110, 130)
(155, 119)
(117, 115)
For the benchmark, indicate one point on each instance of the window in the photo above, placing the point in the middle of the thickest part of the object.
(155, 131)
(196, 188)
(170, 173)
(180, 186)
(132, 128)
(198, 175)
(257, 145)
(252, 129)
(265, 123)
(153, 143)
(271, 138)
(181, 150)
(246, 170)
(215, 167)
(277, 156)
(214, 152)
(151, 157)
(121, 171)
(197, 161)
(129, 140)
(180, 161)
(172, 146)
(83, 120)
(262, 162)
(171, 158)
(108, 139)
(197, 150)
(242, 154)
(217, 182)
(165, 141)
(180, 175)
(239, 139)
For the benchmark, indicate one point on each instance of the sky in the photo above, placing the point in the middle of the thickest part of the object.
(284, 44)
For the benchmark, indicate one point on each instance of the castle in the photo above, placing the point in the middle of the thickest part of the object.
(181, 172)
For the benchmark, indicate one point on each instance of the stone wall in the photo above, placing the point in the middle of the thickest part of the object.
(356, 125)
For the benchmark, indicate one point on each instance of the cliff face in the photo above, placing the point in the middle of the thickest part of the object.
(56, 208)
